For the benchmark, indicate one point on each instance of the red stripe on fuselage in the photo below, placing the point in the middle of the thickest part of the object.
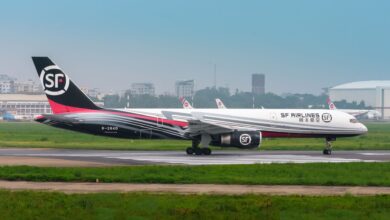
(58, 108)
(149, 118)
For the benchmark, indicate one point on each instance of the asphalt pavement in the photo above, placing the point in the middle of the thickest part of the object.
(119, 157)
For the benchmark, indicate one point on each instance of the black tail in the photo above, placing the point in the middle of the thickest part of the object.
(63, 94)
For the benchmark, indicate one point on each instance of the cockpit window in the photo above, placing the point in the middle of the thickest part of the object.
(353, 120)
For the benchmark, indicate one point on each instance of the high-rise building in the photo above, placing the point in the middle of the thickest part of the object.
(142, 89)
(185, 88)
(258, 83)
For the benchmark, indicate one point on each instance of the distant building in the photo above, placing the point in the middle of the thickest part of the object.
(258, 83)
(142, 89)
(27, 87)
(6, 84)
(185, 88)
(92, 93)
(12, 85)
(375, 94)
(24, 106)
(27, 106)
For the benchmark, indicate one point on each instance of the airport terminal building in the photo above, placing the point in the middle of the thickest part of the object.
(24, 107)
(375, 94)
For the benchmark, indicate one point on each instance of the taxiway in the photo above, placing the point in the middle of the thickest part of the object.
(111, 157)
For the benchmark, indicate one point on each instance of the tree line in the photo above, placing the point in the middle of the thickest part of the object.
(205, 98)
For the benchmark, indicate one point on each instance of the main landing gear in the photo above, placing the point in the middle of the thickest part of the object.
(328, 146)
(203, 142)
(198, 151)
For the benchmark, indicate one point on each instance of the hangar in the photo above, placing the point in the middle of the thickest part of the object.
(375, 94)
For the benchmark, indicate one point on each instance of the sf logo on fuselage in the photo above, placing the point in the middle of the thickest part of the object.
(54, 81)
(326, 117)
(245, 139)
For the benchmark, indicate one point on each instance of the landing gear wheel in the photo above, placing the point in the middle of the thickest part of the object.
(198, 151)
(328, 145)
(195, 149)
(327, 152)
(206, 151)
(190, 151)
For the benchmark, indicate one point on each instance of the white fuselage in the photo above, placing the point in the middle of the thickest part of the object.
(291, 121)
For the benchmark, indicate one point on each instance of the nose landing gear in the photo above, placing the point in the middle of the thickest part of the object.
(328, 145)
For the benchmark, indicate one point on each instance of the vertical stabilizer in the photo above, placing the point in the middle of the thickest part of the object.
(63, 95)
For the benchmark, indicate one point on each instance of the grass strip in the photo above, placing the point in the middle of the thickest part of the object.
(353, 174)
(45, 205)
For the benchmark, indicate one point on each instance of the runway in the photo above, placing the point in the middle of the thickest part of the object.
(111, 157)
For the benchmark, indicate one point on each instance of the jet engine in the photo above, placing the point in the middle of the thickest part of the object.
(240, 139)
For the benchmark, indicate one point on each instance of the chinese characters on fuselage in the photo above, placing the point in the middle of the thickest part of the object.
(303, 117)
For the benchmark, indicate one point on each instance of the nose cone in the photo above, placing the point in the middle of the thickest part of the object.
(363, 129)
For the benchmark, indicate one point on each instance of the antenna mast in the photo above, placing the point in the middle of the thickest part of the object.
(215, 76)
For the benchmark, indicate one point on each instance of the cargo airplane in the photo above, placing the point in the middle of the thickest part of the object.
(241, 128)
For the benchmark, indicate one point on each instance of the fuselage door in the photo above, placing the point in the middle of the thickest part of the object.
(273, 116)
(160, 122)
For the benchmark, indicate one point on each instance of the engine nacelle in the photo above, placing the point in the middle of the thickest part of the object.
(240, 139)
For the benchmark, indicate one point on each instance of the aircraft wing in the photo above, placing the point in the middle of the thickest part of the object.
(201, 123)
(196, 127)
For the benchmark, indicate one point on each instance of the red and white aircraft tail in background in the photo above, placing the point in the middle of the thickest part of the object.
(186, 104)
(220, 104)
(331, 105)
(360, 113)
(241, 128)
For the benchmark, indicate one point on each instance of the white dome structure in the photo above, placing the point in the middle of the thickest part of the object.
(364, 84)
(375, 93)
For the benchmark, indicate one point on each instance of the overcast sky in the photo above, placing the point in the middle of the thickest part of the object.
(301, 46)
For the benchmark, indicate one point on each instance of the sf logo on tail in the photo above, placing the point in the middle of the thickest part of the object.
(54, 81)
